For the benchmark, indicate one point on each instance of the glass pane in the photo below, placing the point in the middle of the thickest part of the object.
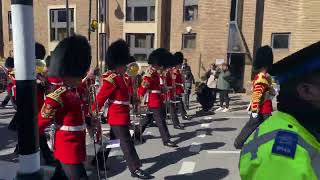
(140, 41)
(128, 14)
(280, 41)
(10, 34)
(190, 13)
(233, 10)
(62, 33)
(52, 34)
(140, 57)
(52, 15)
(128, 39)
(189, 41)
(141, 13)
(9, 18)
(62, 16)
(152, 13)
(152, 40)
(71, 15)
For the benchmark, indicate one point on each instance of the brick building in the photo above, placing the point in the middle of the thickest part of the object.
(206, 31)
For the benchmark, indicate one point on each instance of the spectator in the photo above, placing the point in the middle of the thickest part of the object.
(211, 77)
(188, 81)
(9, 64)
(224, 86)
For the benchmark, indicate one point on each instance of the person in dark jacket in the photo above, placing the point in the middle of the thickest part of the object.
(204, 97)
(9, 65)
(188, 81)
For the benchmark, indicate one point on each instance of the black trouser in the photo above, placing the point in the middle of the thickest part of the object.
(174, 116)
(44, 148)
(70, 172)
(214, 94)
(7, 98)
(159, 116)
(127, 146)
(224, 98)
(187, 94)
(248, 128)
(181, 107)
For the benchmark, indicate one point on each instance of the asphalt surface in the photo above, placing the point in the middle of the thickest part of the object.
(205, 147)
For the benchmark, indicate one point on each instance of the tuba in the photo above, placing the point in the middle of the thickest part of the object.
(133, 69)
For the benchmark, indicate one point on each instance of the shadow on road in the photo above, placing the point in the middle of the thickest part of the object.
(212, 174)
(224, 129)
(174, 157)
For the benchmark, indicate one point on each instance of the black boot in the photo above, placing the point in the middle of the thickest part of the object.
(170, 144)
(140, 174)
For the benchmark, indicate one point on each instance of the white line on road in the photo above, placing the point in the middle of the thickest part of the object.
(205, 125)
(187, 167)
(207, 118)
(201, 134)
(223, 152)
(195, 147)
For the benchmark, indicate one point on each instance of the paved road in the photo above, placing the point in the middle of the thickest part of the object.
(205, 148)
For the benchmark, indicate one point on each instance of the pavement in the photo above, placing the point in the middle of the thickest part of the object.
(205, 147)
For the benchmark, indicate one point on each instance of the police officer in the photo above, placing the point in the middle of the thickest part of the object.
(286, 146)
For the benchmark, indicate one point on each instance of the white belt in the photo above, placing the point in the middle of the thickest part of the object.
(120, 102)
(57, 84)
(179, 84)
(73, 128)
(156, 91)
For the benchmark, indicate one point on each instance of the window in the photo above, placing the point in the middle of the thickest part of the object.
(141, 45)
(189, 41)
(190, 10)
(140, 10)
(58, 23)
(280, 40)
(10, 25)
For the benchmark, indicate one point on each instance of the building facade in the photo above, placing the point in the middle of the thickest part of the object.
(206, 31)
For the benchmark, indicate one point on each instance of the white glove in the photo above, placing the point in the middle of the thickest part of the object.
(254, 115)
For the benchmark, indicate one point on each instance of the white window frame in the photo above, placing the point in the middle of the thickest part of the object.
(183, 39)
(281, 33)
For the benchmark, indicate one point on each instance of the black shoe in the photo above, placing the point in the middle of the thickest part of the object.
(178, 127)
(170, 144)
(140, 174)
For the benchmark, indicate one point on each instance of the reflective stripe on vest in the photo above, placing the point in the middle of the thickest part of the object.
(252, 147)
(73, 128)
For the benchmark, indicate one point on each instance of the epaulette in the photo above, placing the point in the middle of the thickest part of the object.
(56, 95)
(110, 78)
(262, 79)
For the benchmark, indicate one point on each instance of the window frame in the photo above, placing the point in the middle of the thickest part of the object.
(134, 50)
(280, 33)
(55, 24)
(183, 41)
(185, 5)
(131, 17)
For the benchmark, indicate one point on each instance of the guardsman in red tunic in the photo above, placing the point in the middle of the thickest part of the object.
(170, 94)
(263, 92)
(114, 91)
(70, 61)
(177, 79)
(150, 91)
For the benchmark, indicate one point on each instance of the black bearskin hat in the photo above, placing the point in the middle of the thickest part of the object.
(178, 57)
(40, 51)
(169, 61)
(118, 54)
(264, 58)
(71, 58)
(158, 57)
(9, 62)
(132, 59)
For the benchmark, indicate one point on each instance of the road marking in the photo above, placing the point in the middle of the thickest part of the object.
(207, 118)
(195, 147)
(224, 152)
(187, 168)
(205, 125)
(201, 134)
(237, 117)
(7, 151)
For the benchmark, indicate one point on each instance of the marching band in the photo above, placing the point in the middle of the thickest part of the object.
(71, 104)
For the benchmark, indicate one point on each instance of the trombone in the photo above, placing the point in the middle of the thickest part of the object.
(95, 130)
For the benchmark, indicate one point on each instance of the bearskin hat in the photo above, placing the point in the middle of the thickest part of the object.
(170, 61)
(9, 62)
(118, 54)
(264, 58)
(40, 51)
(71, 58)
(158, 56)
(132, 59)
(178, 58)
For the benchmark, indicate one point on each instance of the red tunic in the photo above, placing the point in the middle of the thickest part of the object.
(262, 91)
(63, 106)
(115, 90)
(150, 87)
(177, 81)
